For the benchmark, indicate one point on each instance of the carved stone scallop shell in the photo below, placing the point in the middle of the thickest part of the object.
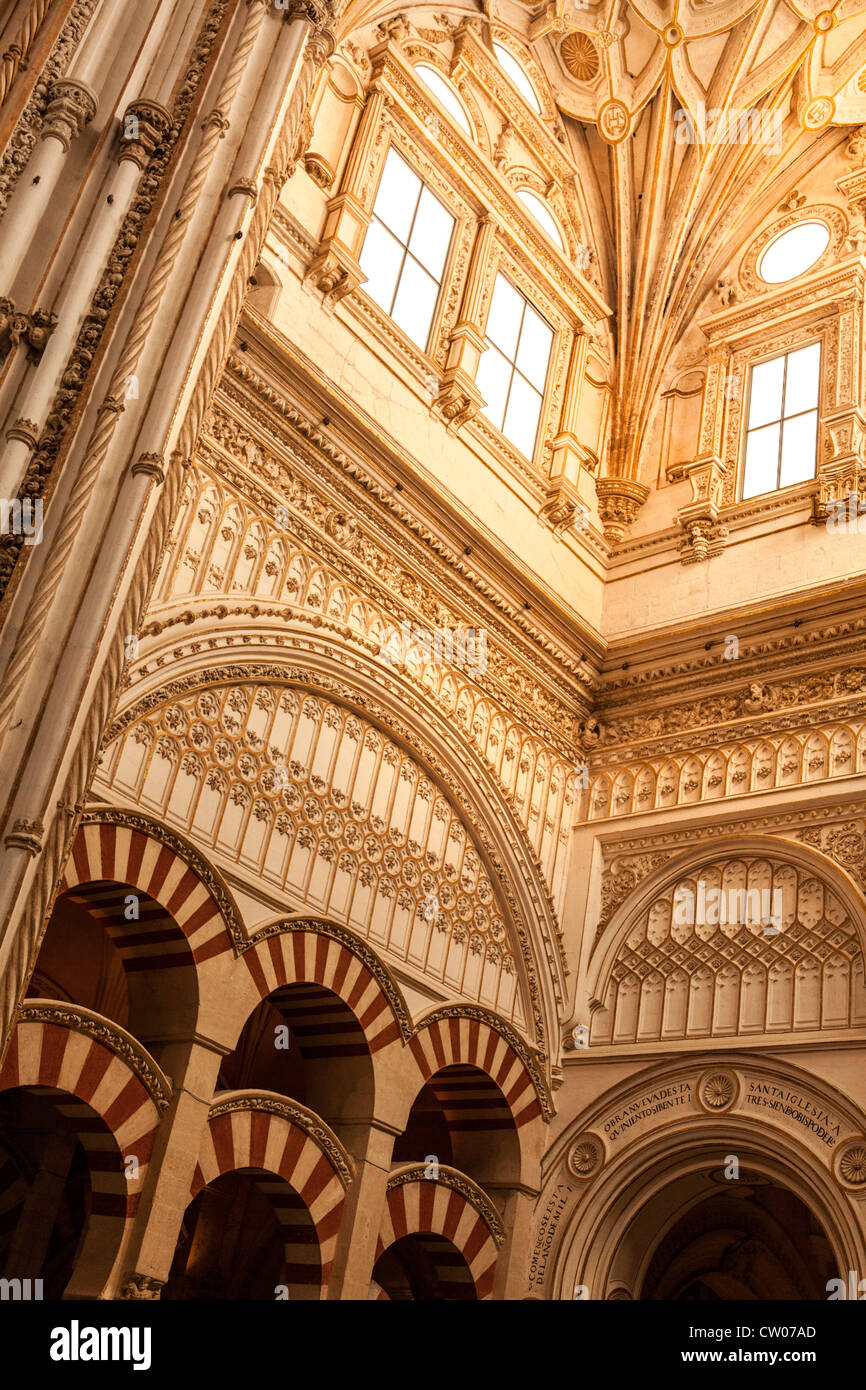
(580, 56)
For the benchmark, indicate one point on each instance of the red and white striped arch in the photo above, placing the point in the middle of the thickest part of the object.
(310, 957)
(447, 1041)
(426, 1206)
(117, 853)
(87, 1078)
(253, 1138)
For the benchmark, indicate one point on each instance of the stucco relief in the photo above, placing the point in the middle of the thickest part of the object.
(320, 805)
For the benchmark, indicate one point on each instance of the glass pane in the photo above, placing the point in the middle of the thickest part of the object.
(397, 196)
(431, 234)
(762, 461)
(799, 437)
(521, 417)
(503, 321)
(801, 386)
(542, 214)
(765, 403)
(445, 93)
(380, 262)
(509, 64)
(494, 374)
(533, 354)
(793, 252)
(415, 302)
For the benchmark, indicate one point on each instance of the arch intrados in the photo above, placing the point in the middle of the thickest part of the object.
(638, 1177)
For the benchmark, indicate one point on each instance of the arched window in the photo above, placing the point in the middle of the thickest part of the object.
(512, 68)
(542, 215)
(445, 95)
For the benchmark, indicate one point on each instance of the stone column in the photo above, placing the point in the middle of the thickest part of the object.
(144, 123)
(144, 1264)
(370, 1146)
(73, 104)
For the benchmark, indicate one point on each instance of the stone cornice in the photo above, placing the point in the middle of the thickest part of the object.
(285, 384)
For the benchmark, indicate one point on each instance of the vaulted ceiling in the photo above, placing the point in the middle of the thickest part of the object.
(653, 98)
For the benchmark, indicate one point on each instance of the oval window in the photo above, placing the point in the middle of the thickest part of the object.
(793, 252)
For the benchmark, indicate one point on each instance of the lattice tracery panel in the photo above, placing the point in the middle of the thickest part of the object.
(786, 958)
(315, 801)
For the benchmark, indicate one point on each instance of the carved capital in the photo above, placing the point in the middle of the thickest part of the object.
(704, 535)
(141, 1286)
(244, 188)
(26, 431)
(26, 835)
(842, 470)
(319, 170)
(334, 273)
(144, 126)
(216, 118)
(563, 508)
(72, 105)
(704, 538)
(153, 465)
(457, 399)
(619, 501)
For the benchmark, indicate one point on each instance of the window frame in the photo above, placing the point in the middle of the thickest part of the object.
(757, 361)
(392, 147)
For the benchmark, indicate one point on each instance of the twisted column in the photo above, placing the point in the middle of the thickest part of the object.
(16, 53)
(214, 125)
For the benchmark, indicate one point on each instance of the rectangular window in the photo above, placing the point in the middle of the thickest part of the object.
(782, 421)
(405, 249)
(513, 368)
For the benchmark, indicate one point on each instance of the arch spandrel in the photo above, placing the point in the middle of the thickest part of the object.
(334, 813)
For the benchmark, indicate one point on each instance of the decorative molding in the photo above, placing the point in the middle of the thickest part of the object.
(296, 1114)
(111, 1035)
(457, 1182)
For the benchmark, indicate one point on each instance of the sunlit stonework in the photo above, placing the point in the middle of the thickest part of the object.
(433, 462)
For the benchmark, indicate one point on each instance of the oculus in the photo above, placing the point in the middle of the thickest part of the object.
(792, 252)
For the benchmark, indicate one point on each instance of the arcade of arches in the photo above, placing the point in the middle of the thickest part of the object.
(432, 708)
